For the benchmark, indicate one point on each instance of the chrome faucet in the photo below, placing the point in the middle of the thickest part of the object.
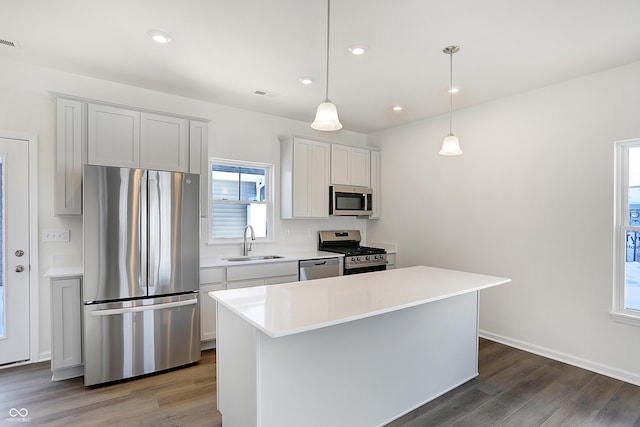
(247, 247)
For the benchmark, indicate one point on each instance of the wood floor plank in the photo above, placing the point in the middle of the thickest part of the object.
(622, 409)
(493, 411)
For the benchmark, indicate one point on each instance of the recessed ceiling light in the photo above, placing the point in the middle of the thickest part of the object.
(358, 49)
(159, 36)
(306, 80)
(453, 90)
(397, 108)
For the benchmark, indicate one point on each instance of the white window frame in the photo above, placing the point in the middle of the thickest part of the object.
(621, 225)
(268, 199)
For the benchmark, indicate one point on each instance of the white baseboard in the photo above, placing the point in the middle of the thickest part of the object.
(590, 365)
(44, 356)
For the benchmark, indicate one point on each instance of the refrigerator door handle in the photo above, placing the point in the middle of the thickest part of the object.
(144, 232)
(114, 311)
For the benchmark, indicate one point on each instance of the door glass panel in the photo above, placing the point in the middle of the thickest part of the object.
(2, 296)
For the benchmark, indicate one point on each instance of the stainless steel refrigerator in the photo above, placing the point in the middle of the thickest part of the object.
(141, 272)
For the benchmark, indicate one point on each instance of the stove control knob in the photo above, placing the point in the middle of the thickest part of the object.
(367, 258)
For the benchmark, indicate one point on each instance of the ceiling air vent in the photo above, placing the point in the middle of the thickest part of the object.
(264, 93)
(8, 43)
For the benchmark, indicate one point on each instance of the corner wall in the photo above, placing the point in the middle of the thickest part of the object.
(531, 199)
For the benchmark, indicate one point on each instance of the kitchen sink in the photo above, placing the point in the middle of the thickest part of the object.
(253, 258)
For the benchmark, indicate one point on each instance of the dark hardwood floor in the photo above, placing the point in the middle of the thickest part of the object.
(182, 397)
(514, 388)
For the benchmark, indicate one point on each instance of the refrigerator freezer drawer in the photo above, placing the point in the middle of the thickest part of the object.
(131, 338)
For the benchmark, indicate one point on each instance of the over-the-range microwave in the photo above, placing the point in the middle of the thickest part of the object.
(350, 200)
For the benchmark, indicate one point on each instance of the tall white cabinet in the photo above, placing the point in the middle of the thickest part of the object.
(70, 145)
(305, 168)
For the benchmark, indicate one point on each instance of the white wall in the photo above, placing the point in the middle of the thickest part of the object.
(26, 106)
(530, 199)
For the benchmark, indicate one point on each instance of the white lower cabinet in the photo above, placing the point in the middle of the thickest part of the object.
(259, 274)
(66, 328)
(391, 261)
(243, 276)
(211, 279)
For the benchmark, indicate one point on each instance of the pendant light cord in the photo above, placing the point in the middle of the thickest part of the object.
(450, 93)
(328, 26)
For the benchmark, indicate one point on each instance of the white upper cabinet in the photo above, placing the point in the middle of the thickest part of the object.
(114, 136)
(70, 143)
(375, 183)
(163, 142)
(111, 135)
(134, 139)
(199, 160)
(350, 165)
(305, 168)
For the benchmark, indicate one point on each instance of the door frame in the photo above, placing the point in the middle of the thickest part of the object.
(34, 276)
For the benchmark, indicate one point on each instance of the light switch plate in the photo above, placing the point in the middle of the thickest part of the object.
(55, 235)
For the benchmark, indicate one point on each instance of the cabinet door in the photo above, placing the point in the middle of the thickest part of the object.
(208, 311)
(375, 183)
(360, 164)
(302, 176)
(113, 136)
(319, 183)
(281, 279)
(66, 321)
(199, 161)
(163, 143)
(68, 159)
(245, 283)
(340, 168)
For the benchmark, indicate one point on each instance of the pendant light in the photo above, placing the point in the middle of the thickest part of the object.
(450, 144)
(327, 114)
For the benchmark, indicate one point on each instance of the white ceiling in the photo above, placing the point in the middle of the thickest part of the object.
(224, 50)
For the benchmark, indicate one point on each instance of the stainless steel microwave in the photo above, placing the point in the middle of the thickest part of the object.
(350, 200)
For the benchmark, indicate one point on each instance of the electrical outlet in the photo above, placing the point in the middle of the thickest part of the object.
(55, 235)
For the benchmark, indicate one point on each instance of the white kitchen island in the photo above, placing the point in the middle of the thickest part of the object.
(357, 350)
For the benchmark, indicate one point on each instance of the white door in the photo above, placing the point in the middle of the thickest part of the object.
(14, 250)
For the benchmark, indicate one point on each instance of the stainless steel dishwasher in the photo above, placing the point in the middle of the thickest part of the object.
(318, 268)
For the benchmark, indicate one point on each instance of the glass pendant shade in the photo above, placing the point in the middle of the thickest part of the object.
(450, 146)
(326, 117)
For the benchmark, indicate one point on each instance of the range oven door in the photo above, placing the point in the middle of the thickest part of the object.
(365, 269)
(125, 339)
(350, 200)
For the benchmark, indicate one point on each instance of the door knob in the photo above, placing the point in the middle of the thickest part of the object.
(19, 253)
(19, 268)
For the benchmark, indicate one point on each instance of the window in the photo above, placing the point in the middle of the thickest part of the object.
(626, 306)
(240, 196)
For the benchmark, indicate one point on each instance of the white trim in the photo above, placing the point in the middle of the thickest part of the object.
(589, 365)
(620, 225)
(34, 300)
(624, 317)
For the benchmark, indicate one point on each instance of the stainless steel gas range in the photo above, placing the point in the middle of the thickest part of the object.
(357, 259)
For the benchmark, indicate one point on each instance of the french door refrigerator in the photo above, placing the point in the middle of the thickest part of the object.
(141, 271)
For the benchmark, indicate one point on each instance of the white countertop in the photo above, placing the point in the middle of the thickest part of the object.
(59, 272)
(286, 256)
(291, 308)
